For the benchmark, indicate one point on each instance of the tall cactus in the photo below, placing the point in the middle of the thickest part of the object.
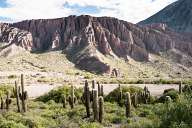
(17, 90)
(72, 97)
(63, 100)
(101, 109)
(87, 98)
(93, 84)
(180, 87)
(7, 101)
(99, 89)
(2, 103)
(128, 104)
(23, 95)
(120, 95)
(146, 95)
(102, 92)
(95, 105)
(135, 100)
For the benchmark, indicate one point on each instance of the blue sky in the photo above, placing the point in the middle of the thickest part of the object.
(3, 3)
(129, 10)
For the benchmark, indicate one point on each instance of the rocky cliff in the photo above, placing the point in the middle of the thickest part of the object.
(86, 40)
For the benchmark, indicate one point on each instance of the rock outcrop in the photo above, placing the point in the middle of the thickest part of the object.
(16, 36)
(87, 39)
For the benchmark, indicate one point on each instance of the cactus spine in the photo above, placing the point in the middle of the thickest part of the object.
(128, 104)
(23, 95)
(17, 90)
(101, 109)
(87, 98)
(95, 105)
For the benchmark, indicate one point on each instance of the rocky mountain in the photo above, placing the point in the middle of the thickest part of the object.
(88, 40)
(177, 16)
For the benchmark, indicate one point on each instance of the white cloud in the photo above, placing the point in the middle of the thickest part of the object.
(129, 10)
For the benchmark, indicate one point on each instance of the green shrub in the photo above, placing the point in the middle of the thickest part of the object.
(4, 89)
(172, 93)
(179, 114)
(55, 95)
(187, 89)
(10, 124)
(112, 96)
(91, 125)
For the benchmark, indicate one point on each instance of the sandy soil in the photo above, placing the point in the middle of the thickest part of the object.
(156, 90)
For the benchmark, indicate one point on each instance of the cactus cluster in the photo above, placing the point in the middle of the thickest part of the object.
(63, 100)
(7, 101)
(5, 104)
(20, 94)
(94, 97)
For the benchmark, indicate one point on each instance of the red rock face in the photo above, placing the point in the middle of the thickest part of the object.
(14, 35)
(109, 36)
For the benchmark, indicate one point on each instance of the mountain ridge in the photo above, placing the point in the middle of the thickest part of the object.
(87, 40)
(176, 15)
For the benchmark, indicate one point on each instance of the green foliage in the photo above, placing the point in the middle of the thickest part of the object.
(172, 93)
(56, 95)
(10, 124)
(91, 125)
(112, 96)
(179, 114)
(4, 89)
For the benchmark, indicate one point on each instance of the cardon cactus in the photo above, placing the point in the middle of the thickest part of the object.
(63, 100)
(102, 92)
(87, 98)
(99, 89)
(146, 95)
(23, 95)
(2, 103)
(93, 84)
(120, 96)
(7, 101)
(180, 87)
(128, 104)
(17, 90)
(101, 109)
(95, 105)
(135, 100)
(72, 97)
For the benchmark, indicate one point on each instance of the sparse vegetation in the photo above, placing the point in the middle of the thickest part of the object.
(48, 110)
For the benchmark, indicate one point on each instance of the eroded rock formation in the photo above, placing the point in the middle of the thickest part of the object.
(85, 39)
